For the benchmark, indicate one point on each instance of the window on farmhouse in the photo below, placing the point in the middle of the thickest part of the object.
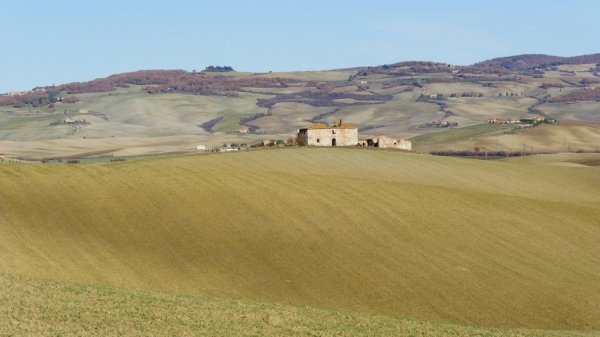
(318, 140)
(333, 131)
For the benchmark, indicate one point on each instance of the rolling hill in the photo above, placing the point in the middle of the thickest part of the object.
(396, 100)
(491, 244)
(532, 61)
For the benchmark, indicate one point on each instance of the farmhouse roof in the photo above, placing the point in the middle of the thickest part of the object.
(318, 126)
(337, 125)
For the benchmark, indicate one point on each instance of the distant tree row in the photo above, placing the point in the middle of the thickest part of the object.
(407, 69)
(209, 125)
(467, 94)
(588, 81)
(510, 93)
(217, 85)
(249, 119)
(34, 98)
(217, 69)
(439, 97)
(551, 85)
(521, 63)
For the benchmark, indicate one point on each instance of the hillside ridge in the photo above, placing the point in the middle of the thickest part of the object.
(531, 61)
(161, 76)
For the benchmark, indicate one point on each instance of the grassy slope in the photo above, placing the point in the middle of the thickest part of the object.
(564, 137)
(581, 111)
(132, 113)
(173, 113)
(30, 307)
(488, 243)
(568, 159)
(296, 115)
(399, 116)
(459, 134)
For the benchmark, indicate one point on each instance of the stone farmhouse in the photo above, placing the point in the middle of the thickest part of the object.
(320, 134)
(344, 134)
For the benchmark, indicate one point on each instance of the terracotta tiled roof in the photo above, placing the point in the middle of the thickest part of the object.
(346, 126)
(318, 126)
(325, 126)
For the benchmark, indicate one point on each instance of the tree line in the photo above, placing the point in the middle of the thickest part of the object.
(218, 69)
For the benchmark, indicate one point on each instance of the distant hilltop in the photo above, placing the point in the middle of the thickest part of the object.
(526, 64)
(532, 61)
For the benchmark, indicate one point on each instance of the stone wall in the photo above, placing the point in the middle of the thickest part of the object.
(390, 143)
(332, 137)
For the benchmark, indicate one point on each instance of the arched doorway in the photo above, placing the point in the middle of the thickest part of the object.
(333, 142)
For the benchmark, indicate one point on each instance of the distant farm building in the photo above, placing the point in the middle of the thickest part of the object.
(242, 130)
(384, 142)
(228, 148)
(201, 147)
(269, 142)
(320, 134)
(531, 120)
(500, 120)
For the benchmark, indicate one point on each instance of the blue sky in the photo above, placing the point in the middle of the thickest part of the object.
(51, 42)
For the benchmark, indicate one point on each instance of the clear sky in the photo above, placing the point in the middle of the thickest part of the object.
(48, 42)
